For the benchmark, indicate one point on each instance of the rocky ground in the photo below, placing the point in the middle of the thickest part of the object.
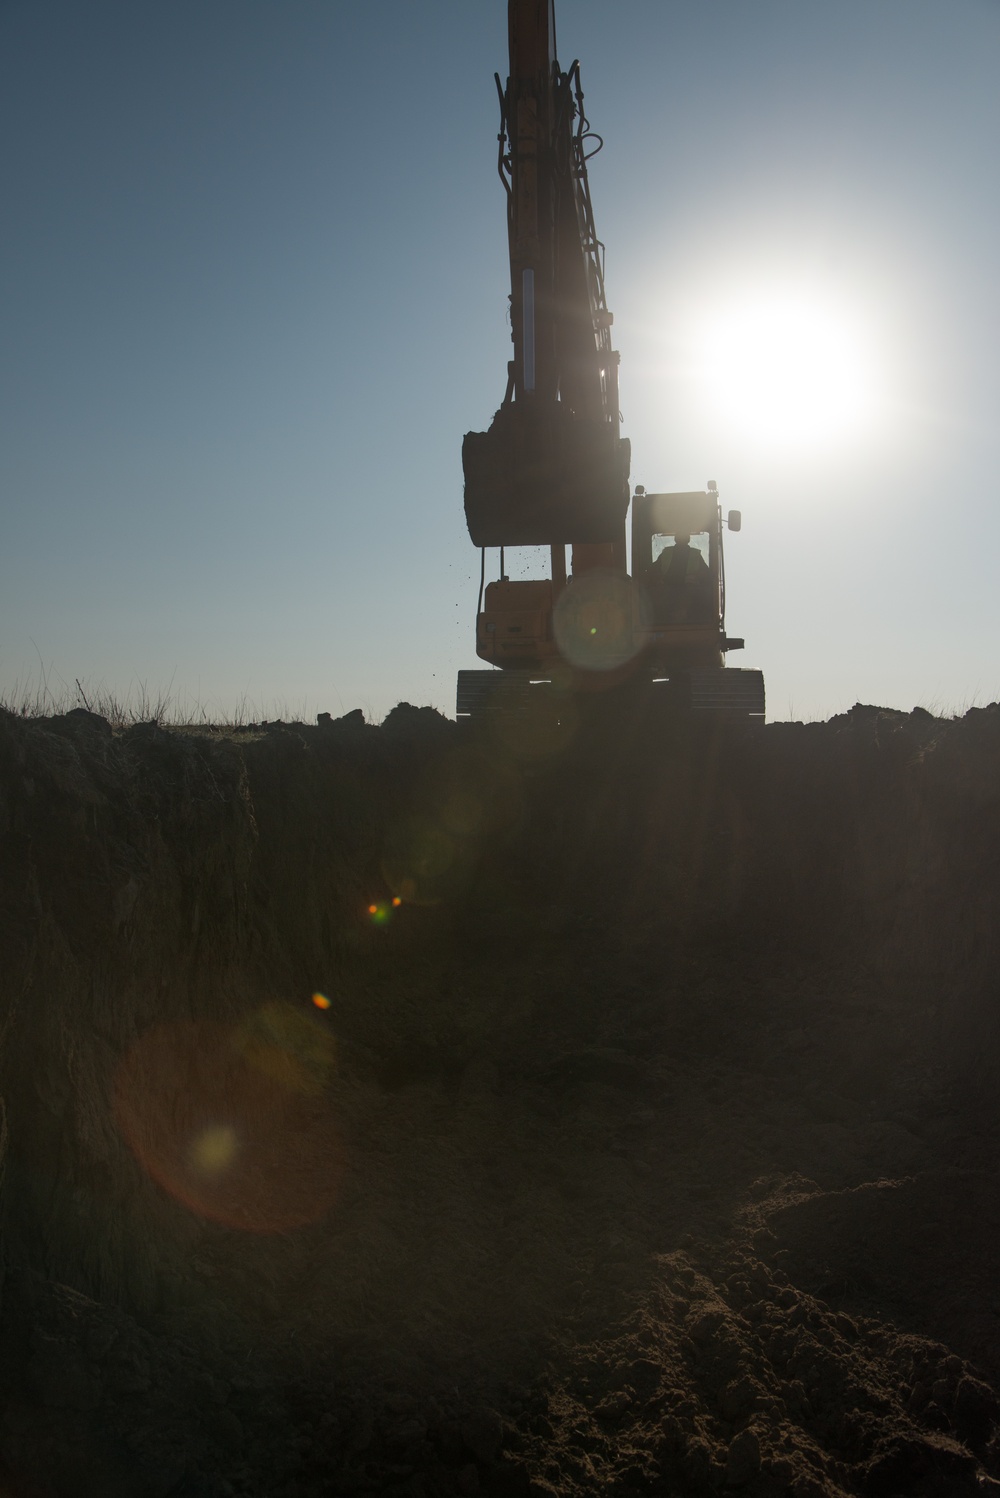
(424, 1110)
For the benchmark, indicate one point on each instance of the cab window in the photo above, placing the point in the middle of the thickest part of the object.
(663, 543)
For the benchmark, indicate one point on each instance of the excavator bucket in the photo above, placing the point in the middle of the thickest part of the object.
(542, 476)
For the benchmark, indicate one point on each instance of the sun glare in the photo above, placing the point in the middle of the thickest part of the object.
(787, 371)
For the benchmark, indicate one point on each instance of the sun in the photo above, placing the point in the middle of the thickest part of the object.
(787, 370)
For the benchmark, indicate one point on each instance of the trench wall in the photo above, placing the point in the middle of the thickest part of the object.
(155, 880)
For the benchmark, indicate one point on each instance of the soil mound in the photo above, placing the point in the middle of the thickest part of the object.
(428, 1110)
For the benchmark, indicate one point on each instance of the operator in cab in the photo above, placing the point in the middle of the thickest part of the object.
(683, 578)
(682, 564)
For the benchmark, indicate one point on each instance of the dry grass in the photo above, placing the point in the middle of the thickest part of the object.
(30, 698)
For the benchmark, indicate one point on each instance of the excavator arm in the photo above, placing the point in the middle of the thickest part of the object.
(552, 469)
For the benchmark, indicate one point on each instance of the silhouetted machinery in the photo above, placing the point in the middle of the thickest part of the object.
(553, 469)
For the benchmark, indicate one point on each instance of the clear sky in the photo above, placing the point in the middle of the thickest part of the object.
(254, 292)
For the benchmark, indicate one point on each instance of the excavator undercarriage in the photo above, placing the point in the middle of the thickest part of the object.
(735, 695)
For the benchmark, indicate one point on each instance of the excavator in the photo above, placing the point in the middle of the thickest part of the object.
(552, 472)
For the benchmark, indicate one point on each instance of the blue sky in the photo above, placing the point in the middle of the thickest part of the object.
(254, 288)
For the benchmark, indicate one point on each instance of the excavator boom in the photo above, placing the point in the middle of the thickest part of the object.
(552, 469)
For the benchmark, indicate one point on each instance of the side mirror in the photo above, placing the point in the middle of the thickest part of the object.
(734, 520)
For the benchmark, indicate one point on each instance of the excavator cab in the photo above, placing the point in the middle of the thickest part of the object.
(677, 562)
(679, 567)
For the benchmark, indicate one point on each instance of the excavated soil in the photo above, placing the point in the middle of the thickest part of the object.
(433, 1111)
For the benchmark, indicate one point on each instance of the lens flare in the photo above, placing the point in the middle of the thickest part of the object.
(462, 812)
(473, 793)
(236, 1122)
(321, 1001)
(593, 621)
(423, 862)
(288, 1046)
(214, 1148)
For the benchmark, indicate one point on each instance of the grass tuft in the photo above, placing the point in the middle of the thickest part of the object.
(37, 699)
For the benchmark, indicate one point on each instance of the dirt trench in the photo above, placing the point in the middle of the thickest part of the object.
(430, 1111)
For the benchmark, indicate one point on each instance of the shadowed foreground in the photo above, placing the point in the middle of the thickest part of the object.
(408, 1110)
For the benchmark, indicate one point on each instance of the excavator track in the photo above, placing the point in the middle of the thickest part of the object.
(732, 691)
(481, 693)
(733, 694)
